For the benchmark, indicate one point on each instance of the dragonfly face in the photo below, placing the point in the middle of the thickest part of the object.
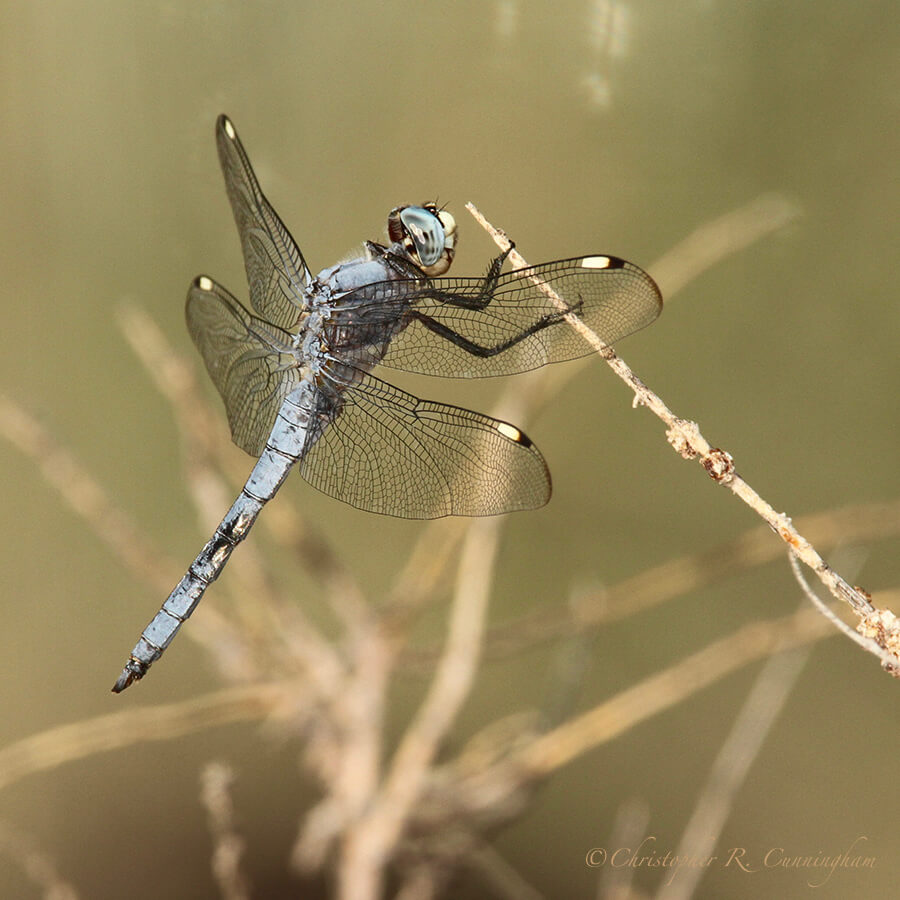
(427, 234)
(295, 372)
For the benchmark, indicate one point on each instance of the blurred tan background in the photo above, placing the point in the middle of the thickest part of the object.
(578, 127)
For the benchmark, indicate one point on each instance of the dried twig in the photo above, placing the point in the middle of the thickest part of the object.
(688, 441)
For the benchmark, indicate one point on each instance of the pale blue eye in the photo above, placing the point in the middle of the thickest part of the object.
(427, 232)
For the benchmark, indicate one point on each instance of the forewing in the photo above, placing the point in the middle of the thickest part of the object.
(388, 452)
(248, 360)
(276, 270)
(612, 296)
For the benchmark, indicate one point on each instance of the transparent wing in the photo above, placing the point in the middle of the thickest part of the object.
(248, 360)
(473, 327)
(276, 270)
(385, 451)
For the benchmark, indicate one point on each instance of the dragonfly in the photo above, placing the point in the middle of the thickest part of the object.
(295, 373)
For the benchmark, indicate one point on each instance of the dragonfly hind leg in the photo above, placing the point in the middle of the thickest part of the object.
(444, 331)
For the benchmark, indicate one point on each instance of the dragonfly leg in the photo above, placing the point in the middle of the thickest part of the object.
(479, 350)
(486, 292)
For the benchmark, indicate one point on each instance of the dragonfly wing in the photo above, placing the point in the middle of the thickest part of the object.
(463, 327)
(249, 361)
(385, 451)
(276, 270)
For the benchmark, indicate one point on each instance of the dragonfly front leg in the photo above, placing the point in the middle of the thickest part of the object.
(485, 293)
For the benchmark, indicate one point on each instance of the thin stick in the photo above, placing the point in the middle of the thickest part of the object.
(686, 438)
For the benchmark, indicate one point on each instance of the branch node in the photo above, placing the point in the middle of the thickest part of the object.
(719, 465)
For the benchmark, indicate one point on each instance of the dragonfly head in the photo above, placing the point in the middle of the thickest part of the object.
(427, 235)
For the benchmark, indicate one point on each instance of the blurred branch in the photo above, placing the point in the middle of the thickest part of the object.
(371, 839)
(663, 690)
(748, 733)
(720, 238)
(85, 497)
(852, 524)
(476, 793)
(38, 867)
(67, 743)
(228, 847)
(629, 825)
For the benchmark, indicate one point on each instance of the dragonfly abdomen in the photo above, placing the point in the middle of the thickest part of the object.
(282, 449)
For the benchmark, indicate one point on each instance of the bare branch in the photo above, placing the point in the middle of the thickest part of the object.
(686, 438)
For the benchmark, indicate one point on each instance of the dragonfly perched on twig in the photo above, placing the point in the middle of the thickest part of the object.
(295, 374)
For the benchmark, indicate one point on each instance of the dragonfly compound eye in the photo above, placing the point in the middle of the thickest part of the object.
(423, 234)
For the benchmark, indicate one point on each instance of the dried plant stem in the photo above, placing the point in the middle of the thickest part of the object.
(686, 438)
